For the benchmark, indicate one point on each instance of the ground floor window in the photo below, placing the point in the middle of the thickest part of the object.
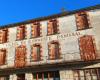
(20, 76)
(4, 77)
(88, 74)
(46, 76)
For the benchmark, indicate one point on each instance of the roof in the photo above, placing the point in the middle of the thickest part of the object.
(50, 17)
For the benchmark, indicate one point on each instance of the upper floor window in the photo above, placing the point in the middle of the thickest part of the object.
(87, 47)
(54, 50)
(2, 56)
(36, 54)
(82, 20)
(3, 35)
(20, 56)
(52, 27)
(21, 32)
(36, 29)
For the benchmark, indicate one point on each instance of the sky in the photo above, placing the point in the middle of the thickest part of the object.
(12, 11)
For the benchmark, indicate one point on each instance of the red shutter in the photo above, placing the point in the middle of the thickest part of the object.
(52, 51)
(3, 35)
(21, 32)
(55, 30)
(20, 56)
(2, 57)
(50, 28)
(36, 53)
(36, 30)
(87, 48)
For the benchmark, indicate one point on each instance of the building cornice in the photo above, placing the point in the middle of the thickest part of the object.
(52, 16)
(50, 67)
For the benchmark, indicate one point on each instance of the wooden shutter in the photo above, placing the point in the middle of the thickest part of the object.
(54, 52)
(55, 26)
(50, 28)
(36, 53)
(3, 35)
(87, 48)
(36, 30)
(82, 20)
(20, 56)
(2, 57)
(21, 32)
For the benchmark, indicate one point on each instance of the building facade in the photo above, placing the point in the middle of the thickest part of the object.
(65, 46)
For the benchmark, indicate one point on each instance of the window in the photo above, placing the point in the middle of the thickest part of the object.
(54, 52)
(87, 48)
(52, 27)
(3, 35)
(54, 75)
(20, 76)
(4, 77)
(82, 20)
(21, 32)
(89, 74)
(36, 52)
(20, 56)
(2, 56)
(36, 29)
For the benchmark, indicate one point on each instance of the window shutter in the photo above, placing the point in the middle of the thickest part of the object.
(55, 26)
(20, 56)
(82, 20)
(87, 48)
(50, 28)
(3, 35)
(52, 51)
(34, 53)
(36, 29)
(21, 32)
(2, 57)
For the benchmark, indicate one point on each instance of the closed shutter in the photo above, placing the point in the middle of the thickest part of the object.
(20, 56)
(21, 33)
(55, 26)
(3, 35)
(36, 30)
(82, 20)
(87, 48)
(2, 57)
(50, 28)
